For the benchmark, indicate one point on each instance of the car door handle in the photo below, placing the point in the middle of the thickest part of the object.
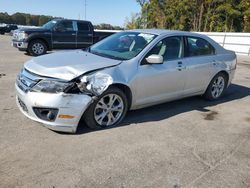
(73, 34)
(90, 35)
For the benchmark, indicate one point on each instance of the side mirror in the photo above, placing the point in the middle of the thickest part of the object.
(154, 59)
(58, 28)
(55, 28)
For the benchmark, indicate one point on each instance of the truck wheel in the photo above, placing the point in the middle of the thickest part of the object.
(216, 87)
(37, 47)
(108, 111)
(2, 33)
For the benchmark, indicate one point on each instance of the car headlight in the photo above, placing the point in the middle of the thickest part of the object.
(22, 35)
(50, 86)
(95, 83)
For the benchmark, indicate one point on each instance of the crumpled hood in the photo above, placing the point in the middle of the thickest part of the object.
(68, 65)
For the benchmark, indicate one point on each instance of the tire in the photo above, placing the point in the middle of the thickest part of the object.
(95, 117)
(37, 47)
(217, 87)
(21, 50)
(2, 33)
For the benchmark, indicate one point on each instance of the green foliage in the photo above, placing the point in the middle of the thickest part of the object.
(24, 19)
(193, 15)
(107, 27)
(134, 22)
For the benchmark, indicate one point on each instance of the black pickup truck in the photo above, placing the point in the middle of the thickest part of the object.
(57, 34)
(7, 28)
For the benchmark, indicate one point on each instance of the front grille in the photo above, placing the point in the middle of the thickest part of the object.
(26, 80)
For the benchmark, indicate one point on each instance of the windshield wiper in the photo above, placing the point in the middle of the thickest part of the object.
(106, 55)
(86, 49)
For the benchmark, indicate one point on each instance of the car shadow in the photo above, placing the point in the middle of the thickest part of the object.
(170, 109)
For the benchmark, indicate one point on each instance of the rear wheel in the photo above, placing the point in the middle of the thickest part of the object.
(37, 47)
(108, 111)
(2, 33)
(216, 87)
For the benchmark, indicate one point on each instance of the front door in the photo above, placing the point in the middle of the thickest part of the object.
(64, 35)
(156, 83)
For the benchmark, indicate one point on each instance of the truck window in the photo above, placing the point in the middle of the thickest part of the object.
(66, 26)
(83, 26)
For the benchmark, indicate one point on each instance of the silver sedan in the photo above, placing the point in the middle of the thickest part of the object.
(128, 70)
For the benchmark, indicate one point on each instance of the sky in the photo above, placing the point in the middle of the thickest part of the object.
(98, 11)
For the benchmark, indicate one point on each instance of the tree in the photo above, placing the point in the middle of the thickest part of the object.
(244, 7)
(142, 2)
(24, 19)
(107, 27)
(194, 15)
(5, 18)
(133, 22)
(19, 18)
(44, 19)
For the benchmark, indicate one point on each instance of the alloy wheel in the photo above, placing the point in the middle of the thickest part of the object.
(108, 110)
(38, 48)
(218, 87)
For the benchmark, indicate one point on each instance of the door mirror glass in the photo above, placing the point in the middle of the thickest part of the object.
(155, 59)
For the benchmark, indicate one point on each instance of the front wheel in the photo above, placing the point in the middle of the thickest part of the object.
(216, 87)
(108, 111)
(37, 47)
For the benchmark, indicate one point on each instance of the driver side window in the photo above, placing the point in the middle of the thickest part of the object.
(170, 48)
(65, 26)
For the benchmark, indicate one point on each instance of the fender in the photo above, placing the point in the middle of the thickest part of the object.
(42, 36)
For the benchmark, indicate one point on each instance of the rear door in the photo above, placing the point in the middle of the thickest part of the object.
(84, 34)
(64, 35)
(200, 59)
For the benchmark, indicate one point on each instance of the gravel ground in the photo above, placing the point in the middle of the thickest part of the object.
(186, 143)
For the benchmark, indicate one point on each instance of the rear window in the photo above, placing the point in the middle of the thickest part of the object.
(83, 26)
(199, 47)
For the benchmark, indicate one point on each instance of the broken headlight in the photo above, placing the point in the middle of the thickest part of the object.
(50, 86)
(95, 83)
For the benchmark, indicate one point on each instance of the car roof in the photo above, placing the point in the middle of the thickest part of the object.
(60, 19)
(168, 32)
(160, 31)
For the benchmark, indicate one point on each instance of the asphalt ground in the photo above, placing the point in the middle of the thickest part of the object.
(186, 143)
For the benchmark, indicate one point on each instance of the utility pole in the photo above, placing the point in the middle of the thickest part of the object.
(85, 4)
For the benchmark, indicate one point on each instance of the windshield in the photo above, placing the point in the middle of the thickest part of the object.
(50, 24)
(123, 45)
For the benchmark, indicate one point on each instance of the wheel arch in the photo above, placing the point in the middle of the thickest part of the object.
(41, 39)
(126, 90)
(223, 72)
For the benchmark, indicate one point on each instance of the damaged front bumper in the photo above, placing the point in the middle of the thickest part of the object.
(59, 111)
